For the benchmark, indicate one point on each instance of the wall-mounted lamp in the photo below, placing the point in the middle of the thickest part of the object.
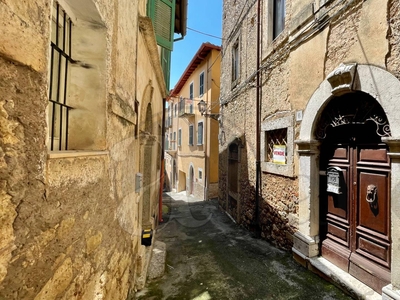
(203, 110)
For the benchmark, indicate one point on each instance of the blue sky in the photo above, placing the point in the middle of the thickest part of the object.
(204, 16)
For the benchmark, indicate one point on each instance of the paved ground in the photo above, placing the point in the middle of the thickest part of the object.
(210, 257)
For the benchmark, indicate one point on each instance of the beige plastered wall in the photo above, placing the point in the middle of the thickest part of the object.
(205, 156)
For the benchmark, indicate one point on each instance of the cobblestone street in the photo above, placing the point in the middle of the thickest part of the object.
(210, 257)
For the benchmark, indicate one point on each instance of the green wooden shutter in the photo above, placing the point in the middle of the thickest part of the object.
(162, 12)
(166, 65)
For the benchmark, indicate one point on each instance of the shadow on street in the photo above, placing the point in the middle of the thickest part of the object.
(210, 257)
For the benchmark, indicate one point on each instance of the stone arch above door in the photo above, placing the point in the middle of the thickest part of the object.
(378, 83)
(385, 88)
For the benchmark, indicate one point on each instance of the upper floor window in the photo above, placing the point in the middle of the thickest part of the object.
(191, 142)
(278, 17)
(162, 13)
(200, 133)
(179, 137)
(201, 84)
(235, 62)
(175, 109)
(191, 91)
(60, 65)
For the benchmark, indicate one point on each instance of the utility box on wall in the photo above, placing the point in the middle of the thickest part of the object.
(138, 182)
(147, 235)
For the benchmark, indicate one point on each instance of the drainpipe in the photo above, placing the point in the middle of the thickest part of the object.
(160, 219)
(206, 139)
(258, 125)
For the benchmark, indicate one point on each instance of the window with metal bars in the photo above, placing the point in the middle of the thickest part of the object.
(61, 52)
(276, 145)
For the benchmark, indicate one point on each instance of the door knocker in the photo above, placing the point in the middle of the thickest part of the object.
(371, 193)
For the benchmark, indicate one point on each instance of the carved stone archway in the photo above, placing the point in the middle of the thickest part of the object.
(385, 89)
(147, 162)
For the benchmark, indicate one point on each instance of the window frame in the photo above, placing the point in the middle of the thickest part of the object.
(191, 90)
(201, 83)
(235, 68)
(191, 135)
(200, 174)
(287, 169)
(200, 133)
(278, 18)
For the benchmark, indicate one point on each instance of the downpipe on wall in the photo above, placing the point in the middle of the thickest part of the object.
(256, 219)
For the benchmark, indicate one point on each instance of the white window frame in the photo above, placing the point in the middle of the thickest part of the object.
(191, 129)
(199, 143)
(191, 90)
(200, 174)
(273, 124)
(201, 84)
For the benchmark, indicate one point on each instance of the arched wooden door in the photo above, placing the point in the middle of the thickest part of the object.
(355, 192)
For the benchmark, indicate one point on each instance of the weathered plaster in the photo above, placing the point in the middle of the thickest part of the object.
(301, 90)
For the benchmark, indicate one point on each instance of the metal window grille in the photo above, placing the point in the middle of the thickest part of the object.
(60, 61)
(275, 137)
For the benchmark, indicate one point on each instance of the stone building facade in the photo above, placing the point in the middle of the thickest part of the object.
(82, 92)
(191, 137)
(327, 137)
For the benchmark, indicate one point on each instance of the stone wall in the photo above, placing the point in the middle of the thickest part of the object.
(313, 44)
(71, 221)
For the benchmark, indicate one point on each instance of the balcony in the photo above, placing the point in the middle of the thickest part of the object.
(186, 108)
(172, 148)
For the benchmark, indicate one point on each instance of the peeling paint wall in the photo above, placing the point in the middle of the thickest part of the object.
(71, 221)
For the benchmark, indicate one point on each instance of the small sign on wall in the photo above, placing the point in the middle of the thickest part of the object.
(279, 154)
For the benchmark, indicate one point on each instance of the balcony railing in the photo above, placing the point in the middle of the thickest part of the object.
(186, 107)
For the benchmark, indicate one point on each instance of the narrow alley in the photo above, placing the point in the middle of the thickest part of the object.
(210, 257)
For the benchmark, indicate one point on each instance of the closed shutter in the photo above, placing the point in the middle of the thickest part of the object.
(162, 12)
(166, 66)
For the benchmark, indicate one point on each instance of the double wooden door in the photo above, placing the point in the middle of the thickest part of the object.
(355, 215)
